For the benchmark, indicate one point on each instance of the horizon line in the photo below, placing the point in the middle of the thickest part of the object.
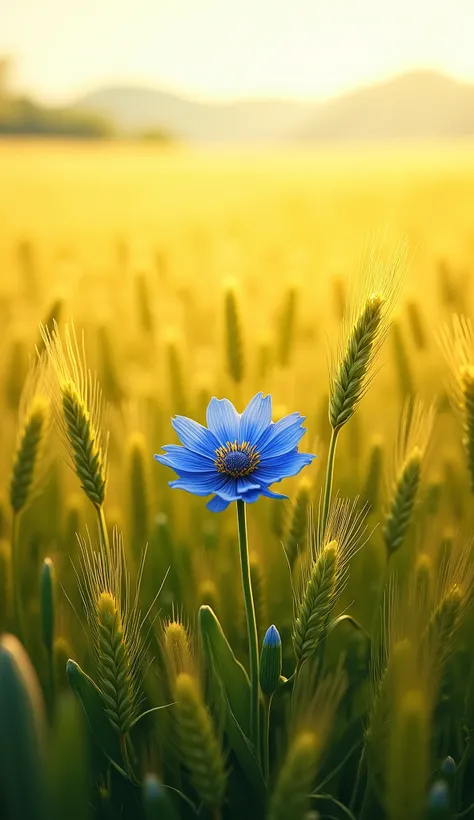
(217, 99)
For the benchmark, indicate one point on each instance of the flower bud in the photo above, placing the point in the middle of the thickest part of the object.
(448, 767)
(439, 801)
(270, 661)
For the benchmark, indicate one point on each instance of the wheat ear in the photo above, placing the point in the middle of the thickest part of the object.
(77, 399)
(138, 491)
(233, 329)
(295, 540)
(366, 323)
(28, 452)
(413, 438)
(457, 343)
(324, 575)
(116, 626)
(200, 749)
(287, 324)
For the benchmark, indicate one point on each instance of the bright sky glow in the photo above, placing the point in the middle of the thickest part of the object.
(231, 48)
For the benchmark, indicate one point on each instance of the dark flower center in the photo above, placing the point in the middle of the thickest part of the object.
(236, 459)
(237, 462)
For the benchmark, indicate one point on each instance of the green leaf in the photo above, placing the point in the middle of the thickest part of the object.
(22, 735)
(90, 698)
(245, 754)
(221, 661)
(331, 808)
(341, 619)
(68, 752)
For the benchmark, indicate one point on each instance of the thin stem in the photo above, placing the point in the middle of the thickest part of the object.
(126, 758)
(329, 478)
(251, 626)
(104, 534)
(267, 701)
(16, 572)
(368, 807)
(52, 691)
(360, 769)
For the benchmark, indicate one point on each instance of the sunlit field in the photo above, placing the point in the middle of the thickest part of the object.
(137, 284)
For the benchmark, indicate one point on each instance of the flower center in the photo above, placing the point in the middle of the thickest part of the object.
(236, 459)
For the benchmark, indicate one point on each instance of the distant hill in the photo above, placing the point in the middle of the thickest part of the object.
(416, 105)
(138, 109)
(419, 105)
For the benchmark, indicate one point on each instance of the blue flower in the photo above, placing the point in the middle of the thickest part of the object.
(235, 456)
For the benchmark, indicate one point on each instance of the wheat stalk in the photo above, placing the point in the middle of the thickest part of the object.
(175, 374)
(233, 329)
(78, 404)
(409, 758)
(365, 327)
(406, 472)
(28, 453)
(286, 328)
(177, 648)
(457, 344)
(295, 540)
(324, 575)
(138, 490)
(116, 625)
(200, 749)
(415, 318)
(371, 490)
(311, 716)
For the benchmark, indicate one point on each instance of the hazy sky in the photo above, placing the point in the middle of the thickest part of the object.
(232, 48)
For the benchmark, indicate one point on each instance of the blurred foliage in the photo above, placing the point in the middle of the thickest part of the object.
(142, 262)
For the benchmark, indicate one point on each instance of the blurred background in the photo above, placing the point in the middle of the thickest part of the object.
(223, 71)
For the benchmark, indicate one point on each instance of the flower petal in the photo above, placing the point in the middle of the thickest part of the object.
(245, 483)
(181, 459)
(217, 504)
(282, 436)
(199, 484)
(256, 417)
(195, 437)
(270, 494)
(223, 420)
(252, 496)
(283, 466)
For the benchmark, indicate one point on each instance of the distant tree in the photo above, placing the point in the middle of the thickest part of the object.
(156, 135)
(22, 116)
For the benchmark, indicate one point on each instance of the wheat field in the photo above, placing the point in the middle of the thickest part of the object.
(135, 285)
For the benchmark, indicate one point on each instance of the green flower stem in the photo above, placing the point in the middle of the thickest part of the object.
(16, 572)
(251, 626)
(329, 478)
(104, 534)
(52, 688)
(267, 702)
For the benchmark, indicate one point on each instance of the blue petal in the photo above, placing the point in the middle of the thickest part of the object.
(217, 504)
(269, 494)
(223, 420)
(252, 496)
(180, 458)
(199, 484)
(195, 437)
(275, 469)
(245, 483)
(282, 436)
(256, 417)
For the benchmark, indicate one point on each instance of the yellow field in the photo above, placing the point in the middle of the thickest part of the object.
(139, 247)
